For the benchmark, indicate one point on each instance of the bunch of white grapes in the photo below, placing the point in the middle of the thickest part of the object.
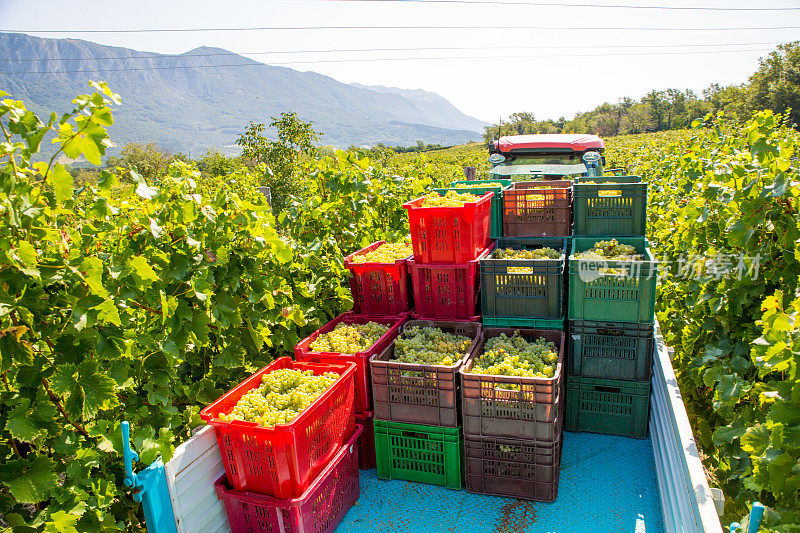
(473, 185)
(430, 346)
(349, 338)
(514, 356)
(611, 250)
(450, 199)
(537, 253)
(282, 395)
(386, 253)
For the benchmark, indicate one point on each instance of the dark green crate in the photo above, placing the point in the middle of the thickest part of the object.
(628, 296)
(517, 322)
(478, 187)
(414, 452)
(614, 350)
(609, 209)
(610, 406)
(538, 294)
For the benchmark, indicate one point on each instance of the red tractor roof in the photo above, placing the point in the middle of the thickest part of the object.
(541, 142)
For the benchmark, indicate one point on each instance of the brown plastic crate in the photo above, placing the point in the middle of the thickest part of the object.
(515, 468)
(420, 394)
(491, 408)
(532, 211)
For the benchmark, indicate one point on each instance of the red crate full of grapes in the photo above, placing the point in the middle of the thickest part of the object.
(284, 459)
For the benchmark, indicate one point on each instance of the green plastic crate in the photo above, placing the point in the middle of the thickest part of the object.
(600, 208)
(538, 294)
(613, 350)
(611, 406)
(414, 452)
(614, 172)
(517, 322)
(628, 296)
(478, 187)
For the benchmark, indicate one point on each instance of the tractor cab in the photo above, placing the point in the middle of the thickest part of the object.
(546, 156)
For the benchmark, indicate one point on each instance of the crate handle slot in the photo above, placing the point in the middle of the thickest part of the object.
(615, 390)
(500, 388)
(576, 339)
(415, 435)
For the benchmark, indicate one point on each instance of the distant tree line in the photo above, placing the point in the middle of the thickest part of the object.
(419, 147)
(775, 85)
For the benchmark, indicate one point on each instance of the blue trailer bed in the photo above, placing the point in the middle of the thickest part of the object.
(607, 483)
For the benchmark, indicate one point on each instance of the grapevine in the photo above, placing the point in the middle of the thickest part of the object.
(349, 338)
(283, 394)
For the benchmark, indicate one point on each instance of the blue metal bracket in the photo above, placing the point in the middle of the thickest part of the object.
(149, 487)
(753, 521)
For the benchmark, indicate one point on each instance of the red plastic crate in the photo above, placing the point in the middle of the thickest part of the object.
(363, 399)
(449, 234)
(366, 442)
(379, 288)
(319, 510)
(447, 291)
(283, 460)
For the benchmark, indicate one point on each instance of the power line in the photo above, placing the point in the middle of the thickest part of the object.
(413, 49)
(439, 28)
(560, 4)
(375, 59)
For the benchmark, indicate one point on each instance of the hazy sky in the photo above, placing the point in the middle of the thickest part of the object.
(522, 75)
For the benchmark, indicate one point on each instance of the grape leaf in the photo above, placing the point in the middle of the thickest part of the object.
(731, 388)
(62, 522)
(27, 254)
(142, 272)
(62, 183)
(93, 276)
(99, 388)
(34, 481)
(26, 424)
(755, 440)
(107, 313)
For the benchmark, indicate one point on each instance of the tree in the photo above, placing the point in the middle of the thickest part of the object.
(776, 83)
(217, 164)
(639, 119)
(295, 140)
(732, 100)
(656, 101)
(148, 160)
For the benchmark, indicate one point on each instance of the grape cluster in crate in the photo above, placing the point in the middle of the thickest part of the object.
(516, 311)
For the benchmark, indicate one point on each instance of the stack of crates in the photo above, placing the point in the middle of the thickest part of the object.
(363, 390)
(289, 477)
(381, 293)
(417, 406)
(417, 413)
(610, 311)
(448, 244)
(513, 425)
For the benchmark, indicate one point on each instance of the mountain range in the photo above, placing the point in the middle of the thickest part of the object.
(203, 99)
